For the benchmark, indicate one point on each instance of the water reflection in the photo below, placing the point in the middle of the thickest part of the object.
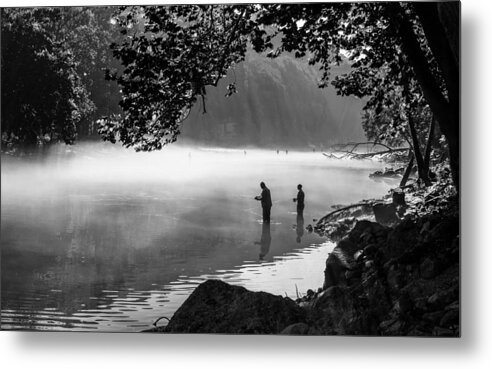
(265, 241)
(299, 227)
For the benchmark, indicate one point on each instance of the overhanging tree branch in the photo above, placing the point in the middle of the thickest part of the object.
(230, 39)
(416, 58)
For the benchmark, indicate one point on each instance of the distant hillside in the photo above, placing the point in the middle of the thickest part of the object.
(278, 104)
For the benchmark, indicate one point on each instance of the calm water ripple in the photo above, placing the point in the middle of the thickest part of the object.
(93, 247)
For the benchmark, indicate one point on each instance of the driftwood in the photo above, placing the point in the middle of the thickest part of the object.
(348, 150)
(367, 203)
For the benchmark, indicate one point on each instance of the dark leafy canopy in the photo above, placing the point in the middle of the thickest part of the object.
(172, 53)
(365, 37)
(389, 124)
(42, 97)
(53, 69)
(88, 33)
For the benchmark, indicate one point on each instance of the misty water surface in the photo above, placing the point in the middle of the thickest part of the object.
(96, 237)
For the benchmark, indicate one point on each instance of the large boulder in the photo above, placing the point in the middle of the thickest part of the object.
(342, 263)
(342, 311)
(217, 307)
(396, 281)
(385, 213)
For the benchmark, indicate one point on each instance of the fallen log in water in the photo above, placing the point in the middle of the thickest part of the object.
(339, 210)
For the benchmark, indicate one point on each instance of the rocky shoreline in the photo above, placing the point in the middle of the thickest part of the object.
(379, 281)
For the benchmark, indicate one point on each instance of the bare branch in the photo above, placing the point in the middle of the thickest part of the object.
(361, 204)
(348, 150)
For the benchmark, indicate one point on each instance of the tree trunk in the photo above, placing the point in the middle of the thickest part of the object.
(423, 171)
(446, 112)
(441, 27)
(439, 43)
(428, 147)
(406, 175)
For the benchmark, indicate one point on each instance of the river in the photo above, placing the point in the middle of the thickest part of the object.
(100, 238)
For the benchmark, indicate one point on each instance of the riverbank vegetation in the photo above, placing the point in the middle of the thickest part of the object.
(53, 75)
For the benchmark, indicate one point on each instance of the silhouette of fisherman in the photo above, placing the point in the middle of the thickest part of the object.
(299, 227)
(299, 200)
(266, 240)
(266, 202)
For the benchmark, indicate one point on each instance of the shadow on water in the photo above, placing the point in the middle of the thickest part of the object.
(299, 227)
(265, 241)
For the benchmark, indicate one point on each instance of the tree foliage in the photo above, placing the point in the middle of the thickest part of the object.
(396, 60)
(88, 33)
(42, 95)
(172, 53)
(389, 124)
(53, 73)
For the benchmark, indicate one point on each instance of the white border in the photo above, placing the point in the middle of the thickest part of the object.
(473, 350)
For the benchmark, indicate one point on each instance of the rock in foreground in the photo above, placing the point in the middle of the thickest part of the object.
(217, 307)
(400, 281)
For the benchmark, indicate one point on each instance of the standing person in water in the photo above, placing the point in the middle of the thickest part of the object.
(299, 200)
(266, 202)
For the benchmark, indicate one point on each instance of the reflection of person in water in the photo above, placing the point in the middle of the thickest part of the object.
(299, 200)
(299, 227)
(266, 202)
(266, 240)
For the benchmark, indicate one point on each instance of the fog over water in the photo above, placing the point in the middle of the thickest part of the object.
(103, 238)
